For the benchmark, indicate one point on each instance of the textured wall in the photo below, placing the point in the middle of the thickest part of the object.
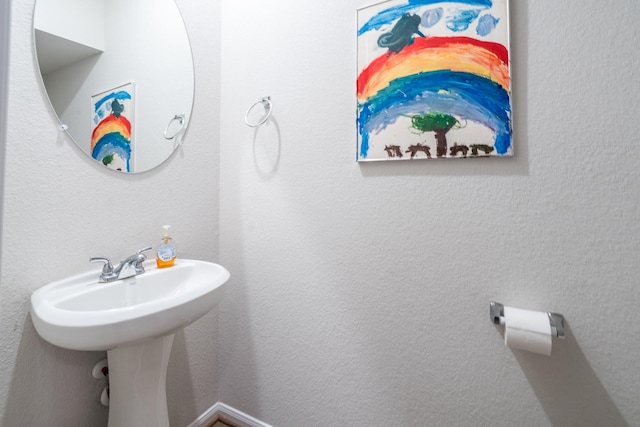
(60, 208)
(360, 293)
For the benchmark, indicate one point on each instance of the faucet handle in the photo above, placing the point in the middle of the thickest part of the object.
(107, 270)
(144, 250)
(141, 254)
(140, 257)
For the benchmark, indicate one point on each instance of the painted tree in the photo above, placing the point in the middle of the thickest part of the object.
(440, 123)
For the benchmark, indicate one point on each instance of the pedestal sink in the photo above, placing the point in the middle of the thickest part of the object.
(134, 320)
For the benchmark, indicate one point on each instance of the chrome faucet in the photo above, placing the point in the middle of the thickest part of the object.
(128, 267)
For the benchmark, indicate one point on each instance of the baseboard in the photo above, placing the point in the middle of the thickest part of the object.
(226, 413)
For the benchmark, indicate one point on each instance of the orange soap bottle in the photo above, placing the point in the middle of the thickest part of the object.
(166, 251)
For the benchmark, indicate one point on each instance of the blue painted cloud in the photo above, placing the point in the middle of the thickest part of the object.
(390, 15)
(486, 24)
(432, 16)
(462, 20)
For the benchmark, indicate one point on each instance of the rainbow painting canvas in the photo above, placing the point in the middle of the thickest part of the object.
(112, 113)
(434, 80)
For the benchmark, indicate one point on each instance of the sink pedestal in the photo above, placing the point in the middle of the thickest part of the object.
(138, 383)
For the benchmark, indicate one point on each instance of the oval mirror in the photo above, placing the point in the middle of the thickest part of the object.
(119, 76)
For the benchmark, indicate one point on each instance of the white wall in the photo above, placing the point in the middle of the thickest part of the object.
(5, 19)
(360, 292)
(60, 208)
(78, 20)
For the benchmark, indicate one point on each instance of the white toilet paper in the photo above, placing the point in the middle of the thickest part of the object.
(527, 330)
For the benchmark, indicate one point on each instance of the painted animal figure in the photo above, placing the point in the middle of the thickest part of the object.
(458, 149)
(487, 149)
(413, 149)
(116, 108)
(393, 150)
(401, 34)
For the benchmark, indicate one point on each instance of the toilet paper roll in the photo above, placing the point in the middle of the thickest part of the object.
(527, 330)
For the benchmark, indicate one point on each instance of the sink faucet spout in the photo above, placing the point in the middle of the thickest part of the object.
(128, 267)
(132, 265)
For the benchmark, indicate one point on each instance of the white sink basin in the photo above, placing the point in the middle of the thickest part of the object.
(78, 313)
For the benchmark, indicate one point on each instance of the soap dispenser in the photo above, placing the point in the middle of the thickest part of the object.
(166, 251)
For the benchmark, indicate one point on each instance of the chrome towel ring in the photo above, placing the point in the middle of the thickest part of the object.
(180, 119)
(268, 108)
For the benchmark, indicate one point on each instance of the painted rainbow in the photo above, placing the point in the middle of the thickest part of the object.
(111, 136)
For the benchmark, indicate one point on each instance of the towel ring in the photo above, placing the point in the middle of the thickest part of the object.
(179, 118)
(268, 108)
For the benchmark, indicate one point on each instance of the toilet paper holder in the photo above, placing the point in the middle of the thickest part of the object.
(556, 320)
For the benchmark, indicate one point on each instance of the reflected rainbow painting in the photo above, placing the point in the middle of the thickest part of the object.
(434, 80)
(111, 127)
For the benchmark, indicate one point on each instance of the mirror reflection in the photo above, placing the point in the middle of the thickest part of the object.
(119, 76)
